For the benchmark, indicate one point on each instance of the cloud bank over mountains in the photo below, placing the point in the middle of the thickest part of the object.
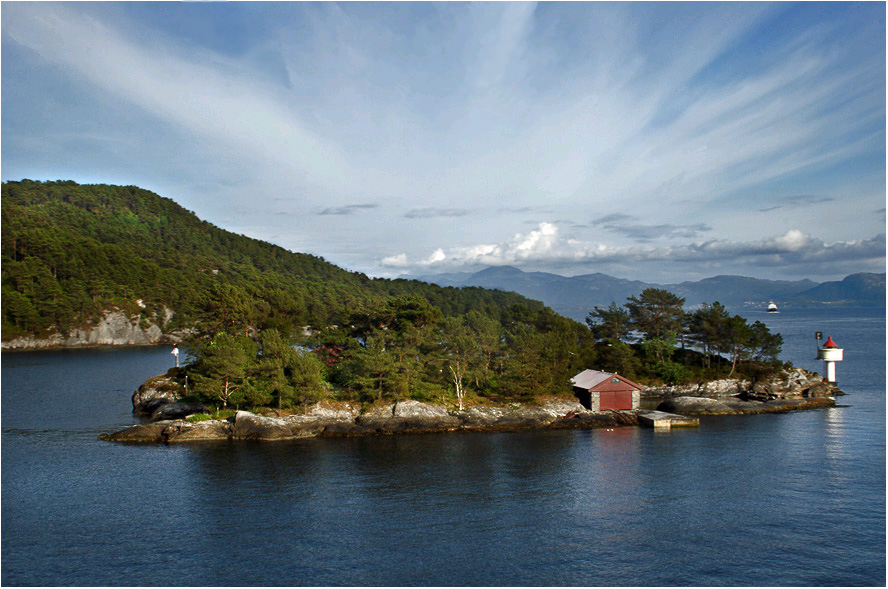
(546, 248)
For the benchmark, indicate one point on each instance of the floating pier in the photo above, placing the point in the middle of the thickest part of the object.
(663, 420)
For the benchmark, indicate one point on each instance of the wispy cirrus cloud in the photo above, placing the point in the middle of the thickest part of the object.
(670, 122)
(629, 226)
(434, 212)
(797, 200)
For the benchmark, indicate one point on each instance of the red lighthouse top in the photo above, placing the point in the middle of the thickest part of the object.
(830, 343)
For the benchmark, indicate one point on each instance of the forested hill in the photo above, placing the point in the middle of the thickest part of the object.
(71, 251)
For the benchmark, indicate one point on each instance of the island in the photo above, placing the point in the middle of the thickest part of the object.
(168, 419)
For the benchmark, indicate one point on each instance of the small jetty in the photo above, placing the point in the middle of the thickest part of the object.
(663, 420)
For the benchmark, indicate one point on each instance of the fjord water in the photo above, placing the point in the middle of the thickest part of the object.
(794, 499)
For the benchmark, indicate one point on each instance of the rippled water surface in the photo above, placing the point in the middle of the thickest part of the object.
(794, 499)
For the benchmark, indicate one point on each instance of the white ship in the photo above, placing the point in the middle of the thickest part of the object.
(772, 307)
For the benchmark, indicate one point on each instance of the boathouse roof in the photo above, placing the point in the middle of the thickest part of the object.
(589, 379)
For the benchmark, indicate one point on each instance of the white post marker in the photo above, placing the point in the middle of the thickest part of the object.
(175, 353)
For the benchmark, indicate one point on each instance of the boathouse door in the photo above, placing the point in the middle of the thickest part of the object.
(614, 400)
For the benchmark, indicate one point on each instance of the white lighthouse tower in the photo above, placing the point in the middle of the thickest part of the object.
(830, 353)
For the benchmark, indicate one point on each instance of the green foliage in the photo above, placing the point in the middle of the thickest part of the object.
(611, 325)
(671, 372)
(222, 368)
(70, 252)
(655, 313)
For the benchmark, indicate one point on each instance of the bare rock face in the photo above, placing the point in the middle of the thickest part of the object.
(210, 430)
(480, 416)
(376, 417)
(527, 415)
(155, 392)
(334, 411)
(562, 407)
(695, 406)
(724, 387)
(248, 426)
(795, 383)
(406, 416)
(416, 410)
(115, 328)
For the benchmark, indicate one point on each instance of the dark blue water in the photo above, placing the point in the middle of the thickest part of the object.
(795, 499)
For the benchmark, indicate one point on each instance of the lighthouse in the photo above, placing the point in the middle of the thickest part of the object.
(830, 353)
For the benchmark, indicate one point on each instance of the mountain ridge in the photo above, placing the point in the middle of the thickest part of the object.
(576, 296)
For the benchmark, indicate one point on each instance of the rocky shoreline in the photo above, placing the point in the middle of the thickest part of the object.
(159, 400)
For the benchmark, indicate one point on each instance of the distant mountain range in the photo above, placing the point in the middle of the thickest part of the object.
(576, 296)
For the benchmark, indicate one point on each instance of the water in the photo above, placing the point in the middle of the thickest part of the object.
(794, 499)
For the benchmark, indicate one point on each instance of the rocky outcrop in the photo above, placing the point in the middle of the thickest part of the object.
(201, 431)
(695, 406)
(794, 383)
(791, 383)
(713, 388)
(248, 426)
(342, 419)
(177, 410)
(114, 328)
(154, 392)
(738, 406)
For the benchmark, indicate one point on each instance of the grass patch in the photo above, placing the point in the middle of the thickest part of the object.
(223, 414)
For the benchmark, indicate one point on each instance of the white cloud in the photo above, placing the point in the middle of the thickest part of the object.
(398, 261)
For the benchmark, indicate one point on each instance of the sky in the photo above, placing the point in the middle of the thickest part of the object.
(652, 141)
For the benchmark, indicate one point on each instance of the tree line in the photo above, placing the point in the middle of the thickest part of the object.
(651, 335)
(405, 348)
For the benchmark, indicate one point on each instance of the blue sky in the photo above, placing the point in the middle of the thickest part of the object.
(654, 141)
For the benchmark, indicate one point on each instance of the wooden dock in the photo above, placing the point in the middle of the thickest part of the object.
(663, 420)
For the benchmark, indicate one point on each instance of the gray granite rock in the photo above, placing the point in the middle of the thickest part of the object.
(249, 426)
(209, 430)
(154, 392)
(695, 406)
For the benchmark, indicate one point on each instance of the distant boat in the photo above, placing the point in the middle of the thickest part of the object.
(772, 307)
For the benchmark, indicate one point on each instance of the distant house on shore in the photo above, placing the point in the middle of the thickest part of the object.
(603, 391)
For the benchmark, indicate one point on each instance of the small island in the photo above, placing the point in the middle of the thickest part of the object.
(171, 420)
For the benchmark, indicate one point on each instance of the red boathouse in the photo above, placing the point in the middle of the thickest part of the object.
(604, 391)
